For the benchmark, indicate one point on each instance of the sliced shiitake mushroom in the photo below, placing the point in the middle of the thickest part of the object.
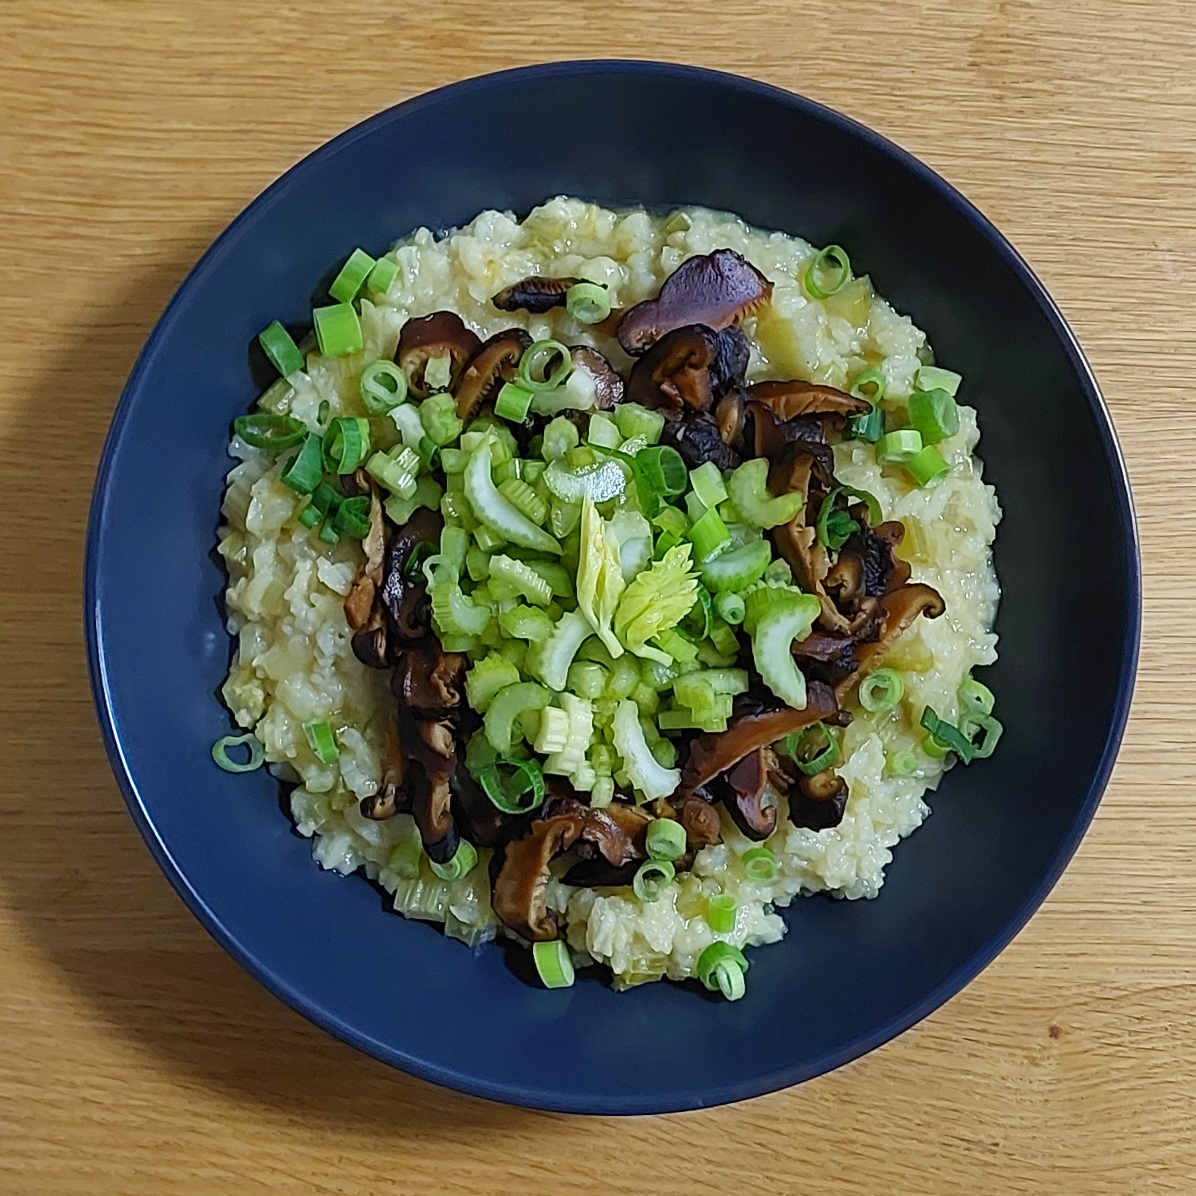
(536, 294)
(441, 334)
(492, 365)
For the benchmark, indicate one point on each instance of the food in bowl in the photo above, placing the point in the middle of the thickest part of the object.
(607, 580)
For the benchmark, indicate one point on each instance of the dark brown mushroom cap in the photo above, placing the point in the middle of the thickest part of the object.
(443, 333)
(827, 656)
(493, 364)
(712, 754)
(716, 289)
(520, 892)
(779, 440)
(615, 832)
(608, 385)
(432, 752)
(700, 820)
(391, 796)
(793, 399)
(536, 294)
(901, 608)
(698, 440)
(818, 802)
(743, 789)
(675, 374)
(480, 820)
(406, 599)
(428, 681)
(729, 416)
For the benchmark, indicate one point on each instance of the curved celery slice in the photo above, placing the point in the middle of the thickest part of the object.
(521, 578)
(738, 568)
(526, 623)
(509, 705)
(555, 653)
(647, 776)
(491, 674)
(456, 615)
(497, 512)
(786, 620)
(748, 487)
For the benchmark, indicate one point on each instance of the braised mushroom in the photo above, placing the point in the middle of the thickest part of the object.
(432, 754)
(793, 399)
(615, 832)
(676, 373)
(391, 797)
(520, 892)
(729, 416)
(404, 592)
(492, 365)
(826, 656)
(717, 290)
(698, 440)
(901, 608)
(818, 802)
(744, 789)
(608, 385)
(442, 334)
(363, 611)
(700, 820)
(712, 754)
(536, 294)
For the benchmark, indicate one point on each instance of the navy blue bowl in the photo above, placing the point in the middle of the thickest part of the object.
(849, 975)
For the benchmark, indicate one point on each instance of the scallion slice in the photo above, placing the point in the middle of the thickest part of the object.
(282, 351)
(977, 697)
(708, 534)
(869, 385)
(759, 864)
(382, 275)
(518, 792)
(310, 516)
(816, 749)
(931, 377)
(462, 864)
(587, 302)
(947, 736)
(928, 467)
(665, 839)
(881, 690)
(352, 276)
(346, 444)
(553, 963)
(869, 427)
(721, 909)
(328, 533)
(722, 967)
(729, 607)
(989, 729)
(304, 472)
(353, 517)
(383, 386)
(664, 469)
(338, 330)
(834, 528)
(903, 763)
(828, 272)
(273, 433)
(513, 403)
(896, 448)
(544, 366)
(322, 741)
(934, 413)
(652, 878)
(257, 754)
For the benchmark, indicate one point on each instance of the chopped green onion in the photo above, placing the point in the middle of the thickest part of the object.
(881, 691)
(282, 351)
(931, 377)
(309, 516)
(544, 366)
(992, 730)
(827, 273)
(896, 448)
(816, 749)
(382, 275)
(721, 909)
(519, 792)
(257, 753)
(945, 736)
(587, 302)
(869, 427)
(664, 469)
(723, 637)
(869, 385)
(346, 444)
(274, 433)
(708, 534)
(834, 528)
(353, 517)
(934, 413)
(633, 420)
(708, 485)
(462, 864)
(977, 697)
(928, 467)
(665, 839)
(729, 606)
(383, 386)
(328, 533)
(700, 619)
(903, 763)
(338, 330)
(304, 472)
(322, 741)
(326, 498)
(722, 967)
(513, 403)
(759, 864)
(352, 276)
(553, 963)
(652, 878)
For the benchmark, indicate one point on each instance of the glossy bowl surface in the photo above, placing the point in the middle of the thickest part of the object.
(849, 975)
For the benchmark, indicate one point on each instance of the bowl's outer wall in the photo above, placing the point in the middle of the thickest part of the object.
(849, 975)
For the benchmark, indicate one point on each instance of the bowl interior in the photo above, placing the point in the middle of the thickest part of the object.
(850, 974)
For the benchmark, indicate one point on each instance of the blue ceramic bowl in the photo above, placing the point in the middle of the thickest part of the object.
(849, 975)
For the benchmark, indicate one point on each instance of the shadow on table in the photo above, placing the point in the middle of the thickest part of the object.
(71, 862)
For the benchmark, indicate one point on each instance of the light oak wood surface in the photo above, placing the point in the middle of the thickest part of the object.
(135, 1057)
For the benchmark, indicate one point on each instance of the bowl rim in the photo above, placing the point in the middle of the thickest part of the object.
(778, 1078)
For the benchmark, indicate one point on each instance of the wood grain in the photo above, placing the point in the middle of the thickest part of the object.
(135, 1057)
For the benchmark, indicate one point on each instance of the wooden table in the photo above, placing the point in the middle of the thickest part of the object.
(135, 1057)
